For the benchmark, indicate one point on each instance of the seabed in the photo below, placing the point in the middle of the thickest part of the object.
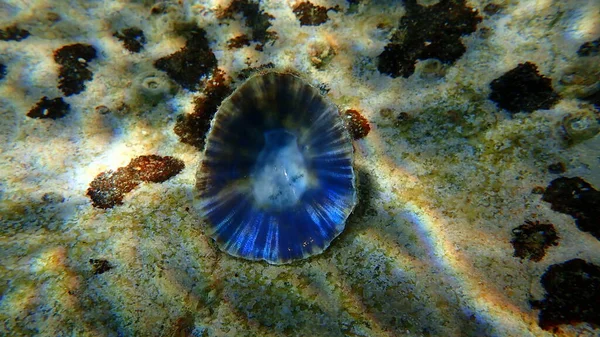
(451, 174)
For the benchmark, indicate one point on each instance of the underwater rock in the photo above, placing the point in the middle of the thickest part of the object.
(310, 15)
(13, 33)
(523, 89)
(192, 128)
(49, 108)
(572, 294)
(133, 39)
(109, 188)
(531, 240)
(73, 71)
(277, 181)
(2, 71)
(190, 64)
(428, 32)
(357, 124)
(576, 197)
(257, 20)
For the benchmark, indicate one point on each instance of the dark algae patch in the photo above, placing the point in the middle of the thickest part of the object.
(523, 89)
(2, 71)
(428, 32)
(238, 42)
(557, 168)
(49, 108)
(591, 48)
(133, 39)
(257, 20)
(73, 60)
(190, 64)
(192, 128)
(310, 14)
(576, 197)
(13, 33)
(100, 266)
(109, 188)
(531, 240)
(572, 294)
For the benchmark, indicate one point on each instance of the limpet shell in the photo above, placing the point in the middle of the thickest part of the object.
(276, 182)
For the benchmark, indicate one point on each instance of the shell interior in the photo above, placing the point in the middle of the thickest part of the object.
(276, 182)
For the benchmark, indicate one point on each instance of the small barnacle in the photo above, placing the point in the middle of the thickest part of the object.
(276, 182)
(581, 126)
(150, 87)
(320, 54)
(430, 69)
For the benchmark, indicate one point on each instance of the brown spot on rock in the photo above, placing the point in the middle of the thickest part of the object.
(310, 15)
(109, 188)
(572, 294)
(190, 64)
(133, 39)
(357, 124)
(576, 197)
(238, 42)
(523, 89)
(591, 48)
(74, 70)
(531, 240)
(428, 32)
(100, 266)
(257, 20)
(13, 33)
(557, 168)
(49, 108)
(155, 169)
(192, 128)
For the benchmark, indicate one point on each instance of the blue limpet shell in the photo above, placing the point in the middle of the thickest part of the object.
(276, 182)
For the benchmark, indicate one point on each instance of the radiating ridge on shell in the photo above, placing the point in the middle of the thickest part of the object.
(276, 182)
